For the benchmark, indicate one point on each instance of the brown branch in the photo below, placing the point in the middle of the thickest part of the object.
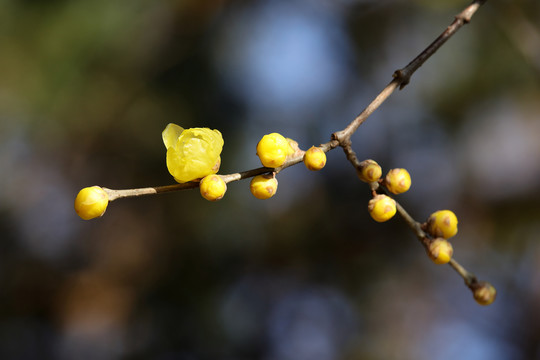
(344, 135)
(402, 77)
(119, 194)
(343, 139)
(340, 138)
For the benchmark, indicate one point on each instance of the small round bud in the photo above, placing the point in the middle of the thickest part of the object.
(314, 158)
(272, 150)
(212, 187)
(442, 223)
(484, 293)
(369, 171)
(440, 251)
(263, 186)
(91, 202)
(382, 208)
(398, 181)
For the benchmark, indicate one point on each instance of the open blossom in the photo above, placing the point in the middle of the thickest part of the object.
(192, 153)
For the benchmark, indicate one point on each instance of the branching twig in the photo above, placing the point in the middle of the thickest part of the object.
(342, 139)
(403, 76)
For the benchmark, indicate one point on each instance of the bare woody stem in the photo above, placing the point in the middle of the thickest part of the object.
(464, 17)
(403, 76)
(119, 194)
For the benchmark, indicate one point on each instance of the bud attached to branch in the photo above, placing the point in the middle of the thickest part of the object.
(398, 181)
(440, 251)
(314, 158)
(263, 186)
(484, 293)
(91, 202)
(382, 208)
(272, 150)
(442, 223)
(369, 171)
(212, 187)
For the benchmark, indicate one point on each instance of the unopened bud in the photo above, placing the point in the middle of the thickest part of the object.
(369, 171)
(484, 293)
(398, 181)
(440, 251)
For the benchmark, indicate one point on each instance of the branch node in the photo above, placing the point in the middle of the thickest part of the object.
(402, 76)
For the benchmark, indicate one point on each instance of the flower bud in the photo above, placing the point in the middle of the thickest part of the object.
(272, 150)
(263, 186)
(212, 187)
(369, 171)
(314, 158)
(398, 181)
(91, 202)
(484, 293)
(442, 223)
(293, 147)
(440, 251)
(382, 208)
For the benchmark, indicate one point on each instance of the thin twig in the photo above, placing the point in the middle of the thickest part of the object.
(425, 239)
(403, 76)
(464, 17)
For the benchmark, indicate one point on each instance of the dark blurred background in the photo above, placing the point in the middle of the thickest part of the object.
(87, 86)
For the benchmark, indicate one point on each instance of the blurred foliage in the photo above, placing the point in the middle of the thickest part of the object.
(86, 87)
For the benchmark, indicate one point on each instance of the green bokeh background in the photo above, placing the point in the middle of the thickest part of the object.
(87, 86)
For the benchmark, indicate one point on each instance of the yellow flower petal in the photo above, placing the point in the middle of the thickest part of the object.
(171, 134)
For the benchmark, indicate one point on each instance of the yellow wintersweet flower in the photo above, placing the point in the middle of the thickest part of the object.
(192, 153)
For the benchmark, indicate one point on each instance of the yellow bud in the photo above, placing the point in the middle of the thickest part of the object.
(484, 293)
(263, 186)
(382, 208)
(314, 158)
(212, 187)
(398, 181)
(442, 223)
(91, 202)
(272, 150)
(192, 153)
(369, 171)
(293, 147)
(440, 251)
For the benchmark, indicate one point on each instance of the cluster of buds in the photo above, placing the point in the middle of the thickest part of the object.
(194, 155)
(382, 207)
(441, 225)
(273, 150)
